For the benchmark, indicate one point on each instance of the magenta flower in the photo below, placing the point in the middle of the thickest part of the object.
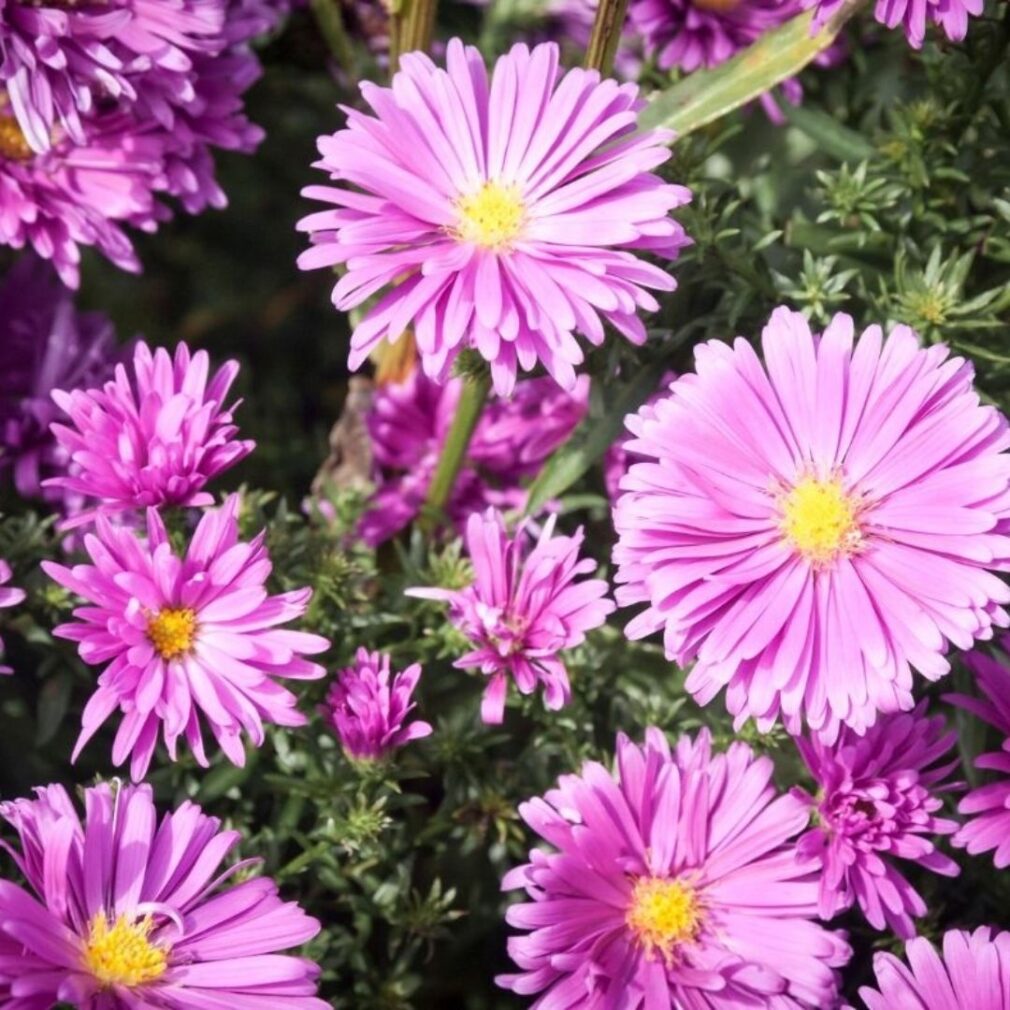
(913, 16)
(185, 637)
(152, 436)
(45, 343)
(673, 883)
(523, 609)
(988, 806)
(618, 457)
(877, 801)
(971, 975)
(124, 911)
(367, 707)
(811, 530)
(408, 425)
(499, 214)
(9, 597)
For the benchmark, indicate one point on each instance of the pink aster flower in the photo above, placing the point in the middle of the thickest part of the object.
(812, 529)
(913, 16)
(45, 343)
(988, 806)
(367, 707)
(523, 609)
(618, 458)
(185, 637)
(9, 597)
(125, 911)
(152, 436)
(408, 425)
(877, 801)
(499, 214)
(971, 974)
(673, 883)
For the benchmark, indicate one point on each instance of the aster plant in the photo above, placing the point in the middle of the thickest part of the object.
(126, 909)
(187, 640)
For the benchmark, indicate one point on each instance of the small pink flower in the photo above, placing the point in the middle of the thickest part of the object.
(522, 610)
(988, 806)
(877, 802)
(152, 436)
(125, 911)
(367, 707)
(9, 597)
(185, 637)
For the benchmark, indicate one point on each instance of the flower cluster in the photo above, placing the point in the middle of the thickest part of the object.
(367, 706)
(125, 910)
(811, 529)
(674, 883)
(523, 609)
(914, 16)
(511, 232)
(106, 107)
(408, 424)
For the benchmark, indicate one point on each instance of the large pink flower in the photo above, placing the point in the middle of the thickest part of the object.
(523, 609)
(499, 214)
(673, 884)
(151, 438)
(125, 911)
(812, 529)
(185, 638)
(877, 802)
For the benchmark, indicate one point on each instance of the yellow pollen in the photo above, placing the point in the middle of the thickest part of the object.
(13, 145)
(492, 217)
(663, 914)
(122, 954)
(172, 631)
(819, 520)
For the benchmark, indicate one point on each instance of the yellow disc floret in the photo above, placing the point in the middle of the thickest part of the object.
(13, 145)
(122, 953)
(663, 914)
(172, 631)
(820, 520)
(492, 217)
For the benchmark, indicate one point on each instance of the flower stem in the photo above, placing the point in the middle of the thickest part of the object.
(606, 35)
(411, 25)
(331, 27)
(468, 411)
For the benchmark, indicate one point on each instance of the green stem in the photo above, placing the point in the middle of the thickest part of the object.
(331, 25)
(468, 411)
(411, 25)
(606, 35)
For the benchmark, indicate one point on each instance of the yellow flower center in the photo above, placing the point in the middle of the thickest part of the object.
(819, 519)
(122, 954)
(13, 145)
(492, 217)
(663, 914)
(172, 631)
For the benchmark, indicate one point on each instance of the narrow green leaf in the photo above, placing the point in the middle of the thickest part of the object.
(707, 95)
(592, 438)
(830, 136)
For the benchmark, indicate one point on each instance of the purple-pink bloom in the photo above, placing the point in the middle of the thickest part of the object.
(367, 707)
(618, 458)
(123, 911)
(523, 609)
(673, 883)
(913, 16)
(9, 597)
(877, 801)
(811, 529)
(497, 215)
(988, 807)
(971, 974)
(45, 343)
(153, 435)
(408, 424)
(185, 637)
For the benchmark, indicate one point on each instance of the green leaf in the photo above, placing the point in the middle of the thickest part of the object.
(707, 95)
(592, 438)
(830, 136)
